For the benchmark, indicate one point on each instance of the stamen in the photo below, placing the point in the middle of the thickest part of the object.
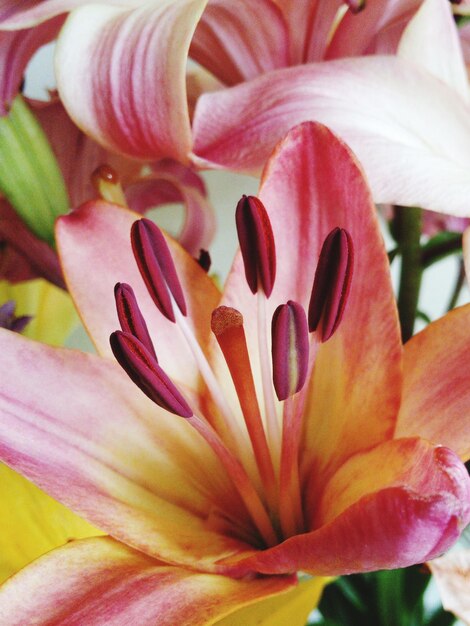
(106, 182)
(130, 317)
(156, 267)
(256, 244)
(356, 6)
(205, 260)
(289, 349)
(144, 371)
(240, 479)
(227, 326)
(332, 283)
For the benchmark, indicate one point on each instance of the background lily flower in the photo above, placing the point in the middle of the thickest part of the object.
(137, 103)
(452, 573)
(26, 251)
(181, 530)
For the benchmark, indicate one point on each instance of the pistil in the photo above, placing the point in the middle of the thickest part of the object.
(227, 326)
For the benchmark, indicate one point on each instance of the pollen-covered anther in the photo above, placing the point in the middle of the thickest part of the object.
(156, 267)
(142, 368)
(289, 349)
(332, 283)
(106, 182)
(356, 6)
(257, 246)
(130, 317)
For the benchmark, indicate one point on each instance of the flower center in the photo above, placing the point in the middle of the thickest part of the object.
(261, 453)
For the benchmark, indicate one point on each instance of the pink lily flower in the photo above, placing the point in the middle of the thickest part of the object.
(410, 131)
(209, 510)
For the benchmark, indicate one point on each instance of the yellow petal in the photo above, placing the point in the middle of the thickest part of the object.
(292, 607)
(32, 523)
(53, 313)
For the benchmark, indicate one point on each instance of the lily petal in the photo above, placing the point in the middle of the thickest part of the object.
(407, 128)
(312, 184)
(375, 30)
(97, 235)
(121, 75)
(15, 15)
(16, 49)
(32, 523)
(434, 23)
(436, 396)
(115, 458)
(452, 574)
(100, 581)
(239, 39)
(309, 26)
(400, 503)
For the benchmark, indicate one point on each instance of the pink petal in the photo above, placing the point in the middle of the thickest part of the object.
(16, 49)
(312, 184)
(78, 428)
(434, 23)
(95, 249)
(408, 129)
(452, 574)
(172, 182)
(309, 26)
(376, 29)
(121, 75)
(436, 393)
(100, 581)
(24, 256)
(239, 39)
(400, 503)
(15, 15)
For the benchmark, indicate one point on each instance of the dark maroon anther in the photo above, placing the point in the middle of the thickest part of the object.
(256, 244)
(289, 349)
(130, 318)
(204, 260)
(332, 283)
(144, 371)
(356, 6)
(156, 267)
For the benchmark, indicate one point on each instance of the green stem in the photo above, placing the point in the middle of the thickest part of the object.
(459, 283)
(408, 229)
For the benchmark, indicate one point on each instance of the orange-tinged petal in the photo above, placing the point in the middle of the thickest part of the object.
(403, 502)
(121, 75)
(32, 523)
(100, 581)
(312, 184)
(452, 574)
(436, 393)
(94, 241)
(78, 428)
